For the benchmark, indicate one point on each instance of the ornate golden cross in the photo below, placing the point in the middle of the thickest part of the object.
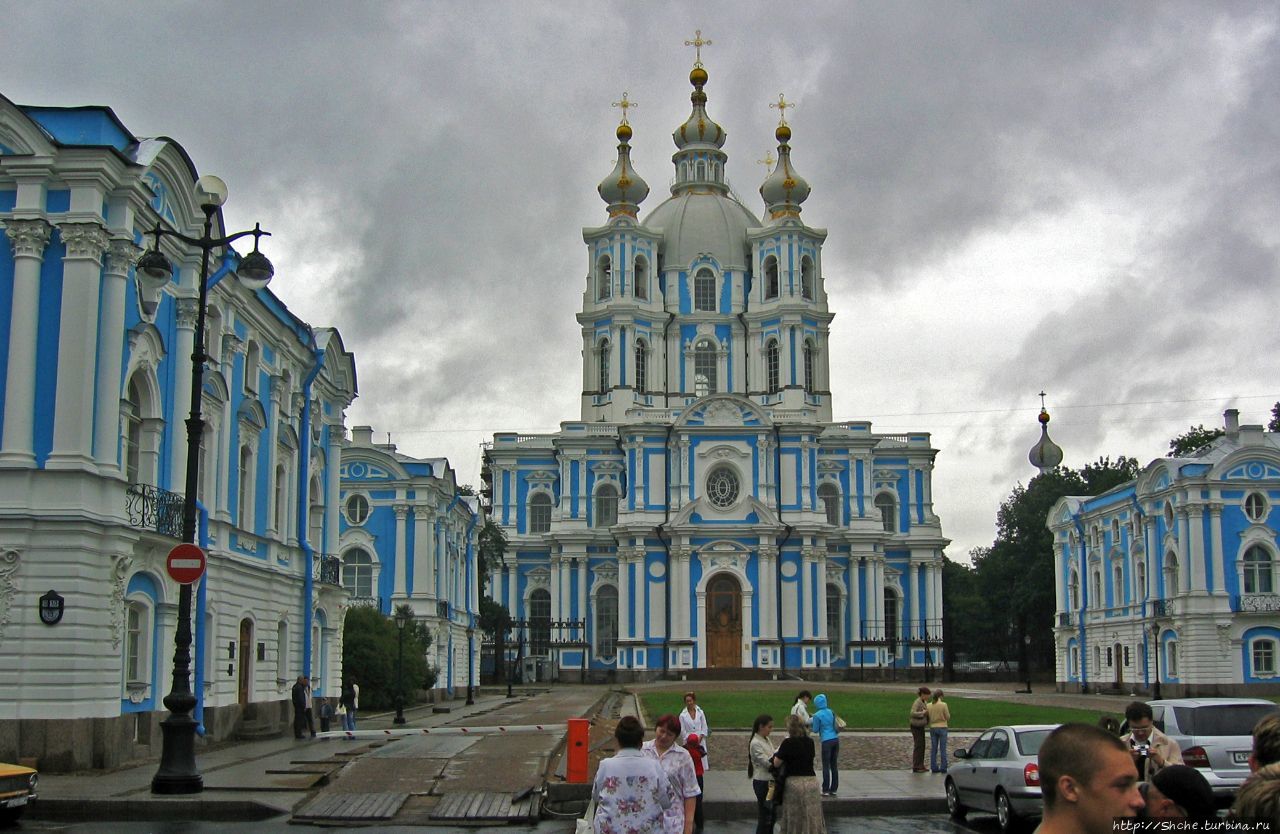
(625, 105)
(768, 159)
(697, 43)
(781, 106)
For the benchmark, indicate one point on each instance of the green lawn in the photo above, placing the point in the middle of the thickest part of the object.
(862, 710)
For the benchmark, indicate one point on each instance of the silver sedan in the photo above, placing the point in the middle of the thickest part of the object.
(999, 774)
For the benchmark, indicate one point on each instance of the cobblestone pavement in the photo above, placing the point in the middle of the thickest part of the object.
(858, 751)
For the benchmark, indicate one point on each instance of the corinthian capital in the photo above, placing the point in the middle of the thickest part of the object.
(28, 237)
(122, 253)
(188, 309)
(84, 240)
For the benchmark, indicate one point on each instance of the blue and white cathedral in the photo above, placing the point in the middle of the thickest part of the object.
(705, 511)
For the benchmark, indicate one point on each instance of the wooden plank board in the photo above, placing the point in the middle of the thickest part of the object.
(478, 806)
(353, 806)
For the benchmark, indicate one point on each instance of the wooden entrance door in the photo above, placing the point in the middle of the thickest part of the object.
(246, 656)
(1118, 659)
(724, 623)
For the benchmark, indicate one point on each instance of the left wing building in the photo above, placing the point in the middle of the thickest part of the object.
(95, 386)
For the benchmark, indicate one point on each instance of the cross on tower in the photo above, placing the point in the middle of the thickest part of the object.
(697, 43)
(781, 106)
(768, 159)
(1042, 401)
(625, 105)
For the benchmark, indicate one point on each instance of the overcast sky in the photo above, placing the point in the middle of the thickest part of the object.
(1075, 197)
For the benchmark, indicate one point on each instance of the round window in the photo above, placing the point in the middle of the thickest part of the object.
(357, 509)
(722, 487)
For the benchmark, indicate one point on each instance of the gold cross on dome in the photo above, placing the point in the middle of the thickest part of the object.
(697, 43)
(625, 105)
(1042, 401)
(768, 159)
(781, 106)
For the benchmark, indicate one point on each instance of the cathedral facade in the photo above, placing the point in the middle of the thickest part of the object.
(705, 511)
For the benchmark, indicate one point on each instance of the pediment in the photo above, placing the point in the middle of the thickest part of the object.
(723, 411)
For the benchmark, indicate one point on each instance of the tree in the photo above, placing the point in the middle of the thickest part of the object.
(1274, 423)
(494, 616)
(493, 548)
(370, 646)
(1195, 438)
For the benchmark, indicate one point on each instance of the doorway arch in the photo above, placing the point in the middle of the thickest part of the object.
(724, 622)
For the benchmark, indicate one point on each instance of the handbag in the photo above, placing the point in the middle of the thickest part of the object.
(779, 783)
(840, 723)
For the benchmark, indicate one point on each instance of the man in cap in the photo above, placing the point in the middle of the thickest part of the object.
(1178, 792)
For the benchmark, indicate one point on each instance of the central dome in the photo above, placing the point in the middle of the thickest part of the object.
(697, 223)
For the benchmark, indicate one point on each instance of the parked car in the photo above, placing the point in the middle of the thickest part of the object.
(999, 774)
(17, 791)
(1215, 734)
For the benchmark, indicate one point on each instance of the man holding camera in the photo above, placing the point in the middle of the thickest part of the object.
(1150, 748)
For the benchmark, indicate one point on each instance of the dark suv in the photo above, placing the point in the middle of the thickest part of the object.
(1215, 734)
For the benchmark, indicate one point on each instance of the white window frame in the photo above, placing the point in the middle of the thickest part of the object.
(372, 565)
(642, 366)
(772, 278)
(640, 278)
(701, 277)
(1256, 570)
(889, 522)
(831, 508)
(596, 610)
(1255, 507)
(835, 640)
(1171, 658)
(549, 506)
(604, 278)
(247, 478)
(598, 518)
(806, 278)
(1260, 645)
(772, 367)
(351, 515)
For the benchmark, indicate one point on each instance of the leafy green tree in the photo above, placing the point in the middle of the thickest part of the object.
(494, 616)
(1194, 438)
(370, 646)
(492, 541)
(1274, 423)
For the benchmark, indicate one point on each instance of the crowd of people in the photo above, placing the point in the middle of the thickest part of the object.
(1090, 775)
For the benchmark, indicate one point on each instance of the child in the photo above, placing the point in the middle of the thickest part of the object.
(693, 746)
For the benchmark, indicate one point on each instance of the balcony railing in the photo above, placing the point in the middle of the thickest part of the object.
(1255, 602)
(1161, 607)
(328, 570)
(1066, 619)
(154, 509)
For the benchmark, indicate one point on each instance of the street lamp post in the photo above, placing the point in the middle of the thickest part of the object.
(471, 660)
(1155, 657)
(402, 620)
(178, 773)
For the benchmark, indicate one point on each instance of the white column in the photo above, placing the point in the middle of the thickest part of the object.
(582, 589)
(877, 591)
(1220, 559)
(821, 613)
(805, 602)
(768, 591)
(642, 600)
(121, 253)
(276, 395)
(624, 596)
(77, 346)
(28, 239)
(185, 311)
(513, 577)
(424, 567)
(231, 345)
(333, 498)
(911, 497)
(910, 612)
(401, 582)
(937, 594)
(1195, 547)
(680, 579)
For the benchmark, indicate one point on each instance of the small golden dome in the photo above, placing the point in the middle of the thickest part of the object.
(624, 132)
(698, 76)
(783, 133)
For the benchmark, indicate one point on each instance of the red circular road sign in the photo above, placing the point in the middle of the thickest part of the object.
(185, 563)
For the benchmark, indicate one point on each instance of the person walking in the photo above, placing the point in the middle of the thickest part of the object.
(824, 724)
(350, 699)
(675, 761)
(300, 695)
(939, 715)
(631, 790)
(918, 722)
(760, 757)
(801, 803)
(800, 708)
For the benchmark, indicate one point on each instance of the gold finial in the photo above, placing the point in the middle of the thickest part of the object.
(697, 43)
(768, 159)
(626, 105)
(781, 106)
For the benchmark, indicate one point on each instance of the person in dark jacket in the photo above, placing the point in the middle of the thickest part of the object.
(301, 697)
(349, 701)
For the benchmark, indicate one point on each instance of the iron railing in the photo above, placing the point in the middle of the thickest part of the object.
(154, 509)
(1255, 602)
(328, 569)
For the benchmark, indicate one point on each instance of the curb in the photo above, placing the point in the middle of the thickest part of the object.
(183, 809)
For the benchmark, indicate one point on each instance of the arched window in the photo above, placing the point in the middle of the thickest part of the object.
(607, 623)
(315, 513)
(704, 368)
(810, 381)
(770, 277)
(1139, 580)
(1095, 589)
(1171, 584)
(642, 366)
(890, 614)
(1257, 571)
(1073, 592)
(137, 627)
(132, 412)
(282, 650)
(251, 367)
(604, 278)
(1264, 657)
(603, 370)
(771, 372)
(606, 506)
(829, 497)
(282, 501)
(835, 623)
(1168, 519)
(245, 474)
(888, 512)
(540, 513)
(806, 278)
(641, 278)
(702, 170)
(141, 429)
(357, 573)
(539, 621)
(704, 290)
(1117, 585)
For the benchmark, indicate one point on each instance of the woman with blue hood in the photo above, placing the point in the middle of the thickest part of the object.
(824, 724)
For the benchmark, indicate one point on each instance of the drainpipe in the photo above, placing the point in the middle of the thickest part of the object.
(202, 599)
(666, 363)
(304, 531)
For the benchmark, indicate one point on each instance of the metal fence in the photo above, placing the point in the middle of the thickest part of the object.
(154, 509)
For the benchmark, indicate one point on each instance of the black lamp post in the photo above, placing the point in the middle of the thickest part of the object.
(471, 660)
(1155, 657)
(402, 620)
(178, 773)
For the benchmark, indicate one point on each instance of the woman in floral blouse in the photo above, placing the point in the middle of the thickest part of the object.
(675, 760)
(631, 790)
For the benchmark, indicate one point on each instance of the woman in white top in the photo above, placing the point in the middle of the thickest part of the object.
(801, 708)
(761, 755)
(631, 790)
(694, 720)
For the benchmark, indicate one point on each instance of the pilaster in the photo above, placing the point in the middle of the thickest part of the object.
(121, 255)
(28, 239)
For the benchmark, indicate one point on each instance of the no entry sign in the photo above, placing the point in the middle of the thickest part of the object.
(185, 563)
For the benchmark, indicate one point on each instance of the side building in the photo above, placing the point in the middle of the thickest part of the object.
(1167, 584)
(95, 386)
(408, 536)
(704, 511)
